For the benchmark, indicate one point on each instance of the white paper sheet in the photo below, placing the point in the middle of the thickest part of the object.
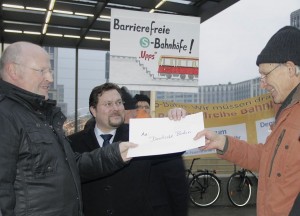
(156, 136)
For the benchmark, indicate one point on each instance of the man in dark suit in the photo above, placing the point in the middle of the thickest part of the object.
(124, 193)
(168, 184)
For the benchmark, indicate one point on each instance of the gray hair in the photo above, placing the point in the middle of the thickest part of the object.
(10, 54)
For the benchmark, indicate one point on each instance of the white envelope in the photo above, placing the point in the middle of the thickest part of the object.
(156, 136)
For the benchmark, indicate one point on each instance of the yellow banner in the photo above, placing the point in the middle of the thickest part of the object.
(247, 119)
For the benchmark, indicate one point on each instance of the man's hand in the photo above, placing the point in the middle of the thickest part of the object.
(124, 146)
(212, 140)
(176, 114)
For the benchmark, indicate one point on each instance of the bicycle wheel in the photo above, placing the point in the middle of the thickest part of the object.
(204, 189)
(239, 189)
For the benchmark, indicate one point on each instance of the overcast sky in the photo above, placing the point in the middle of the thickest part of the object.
(229, 45)
(231, 40)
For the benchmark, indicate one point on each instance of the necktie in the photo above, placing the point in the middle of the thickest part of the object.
(106, 138)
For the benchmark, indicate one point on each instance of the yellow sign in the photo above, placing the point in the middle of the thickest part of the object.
(247, 119)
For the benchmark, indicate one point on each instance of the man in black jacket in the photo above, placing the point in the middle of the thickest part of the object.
(168, 182)
(124, 193)
(40, 174)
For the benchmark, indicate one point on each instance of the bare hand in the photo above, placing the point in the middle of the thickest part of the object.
(212, 140)
(124, 146)
(176, 114)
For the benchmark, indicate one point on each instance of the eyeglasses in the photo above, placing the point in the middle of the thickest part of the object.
(142, 107)
(110, 104)
(41, 71)
(264, 76)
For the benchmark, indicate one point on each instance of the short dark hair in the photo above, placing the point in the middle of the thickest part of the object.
(99, 90)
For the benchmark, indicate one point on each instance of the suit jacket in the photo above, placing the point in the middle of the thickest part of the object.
(125, 192)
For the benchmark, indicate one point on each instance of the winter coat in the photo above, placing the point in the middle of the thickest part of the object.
(122, 194)
(40, 174)
(128, 191)
(277, 161)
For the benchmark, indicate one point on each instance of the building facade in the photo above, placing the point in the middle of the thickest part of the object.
(56, 91)
(216, 93)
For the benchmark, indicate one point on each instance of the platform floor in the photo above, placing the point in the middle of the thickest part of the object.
(249, 210)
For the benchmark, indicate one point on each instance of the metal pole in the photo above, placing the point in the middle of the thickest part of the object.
(107, 59)
(152, 105)
(76, 92)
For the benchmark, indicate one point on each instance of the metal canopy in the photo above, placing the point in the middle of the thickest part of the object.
(85, 24)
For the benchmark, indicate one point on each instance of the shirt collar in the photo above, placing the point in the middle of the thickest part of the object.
(98, 132)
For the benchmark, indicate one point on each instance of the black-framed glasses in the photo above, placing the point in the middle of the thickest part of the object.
(264, 76)
(41, 71)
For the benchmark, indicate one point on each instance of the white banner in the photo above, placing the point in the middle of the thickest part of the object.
(263, 129)
(238, 131)
(150, 51)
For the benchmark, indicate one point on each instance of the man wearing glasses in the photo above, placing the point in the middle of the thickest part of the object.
(168, 184)
(124, 193)
(278, 160)
(39, 172)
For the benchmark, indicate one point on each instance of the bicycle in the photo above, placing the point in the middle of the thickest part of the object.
(204, 186)
(239, 187)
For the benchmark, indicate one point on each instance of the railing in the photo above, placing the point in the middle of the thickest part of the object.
(222, 167)
(223, 170)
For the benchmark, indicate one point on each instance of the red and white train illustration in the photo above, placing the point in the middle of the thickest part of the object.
(178, 66)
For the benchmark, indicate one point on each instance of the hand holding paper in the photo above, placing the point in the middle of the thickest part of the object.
(156, 136)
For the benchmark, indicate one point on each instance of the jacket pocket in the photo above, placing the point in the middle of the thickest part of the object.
(43, 156)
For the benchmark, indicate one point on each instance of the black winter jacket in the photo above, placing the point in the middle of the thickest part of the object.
(125, 192)
(39, 172)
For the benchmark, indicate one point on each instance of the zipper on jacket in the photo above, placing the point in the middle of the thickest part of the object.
(276, 149)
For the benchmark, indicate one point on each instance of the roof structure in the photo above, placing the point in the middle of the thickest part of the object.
(85, 24)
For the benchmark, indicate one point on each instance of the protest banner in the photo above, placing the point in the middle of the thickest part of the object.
(247, 119)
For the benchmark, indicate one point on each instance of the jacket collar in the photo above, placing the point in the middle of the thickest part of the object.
(295, 94)
(290, 100)
(122, 134)
(29, 99)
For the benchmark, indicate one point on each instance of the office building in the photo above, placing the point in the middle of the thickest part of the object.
(216, 93)
(295, 18)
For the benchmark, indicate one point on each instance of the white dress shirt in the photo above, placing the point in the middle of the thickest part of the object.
(100, 140)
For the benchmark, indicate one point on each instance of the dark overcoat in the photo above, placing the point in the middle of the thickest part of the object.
(124, 193)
